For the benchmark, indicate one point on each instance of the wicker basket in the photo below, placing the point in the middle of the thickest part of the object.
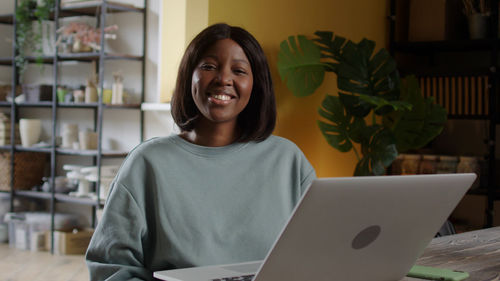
(28, 172)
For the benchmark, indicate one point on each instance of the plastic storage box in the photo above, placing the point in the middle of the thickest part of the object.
(27, 231)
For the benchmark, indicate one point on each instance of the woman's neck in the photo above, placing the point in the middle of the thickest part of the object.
(213, 135)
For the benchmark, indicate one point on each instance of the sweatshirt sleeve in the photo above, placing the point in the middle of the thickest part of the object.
(307, 173)
(116, 251)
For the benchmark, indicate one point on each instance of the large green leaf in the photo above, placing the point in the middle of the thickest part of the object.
(378, 152)
(342, 128)
(361, 74)
(300, 65)
(379, 102)
(330, 45)
(355, 106)
(414, 129)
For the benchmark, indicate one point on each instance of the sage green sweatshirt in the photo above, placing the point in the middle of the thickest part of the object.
(174, 204)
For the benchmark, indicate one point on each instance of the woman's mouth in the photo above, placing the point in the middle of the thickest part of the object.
(221, 97)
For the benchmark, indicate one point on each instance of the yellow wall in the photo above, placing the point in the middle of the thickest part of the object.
(180, 20)
(272, 21)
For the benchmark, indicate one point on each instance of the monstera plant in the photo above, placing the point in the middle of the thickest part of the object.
(373, 107)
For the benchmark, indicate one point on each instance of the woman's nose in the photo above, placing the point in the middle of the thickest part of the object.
(225, 77)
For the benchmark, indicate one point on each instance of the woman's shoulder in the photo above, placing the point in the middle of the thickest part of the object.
(146, 153)
(281, 144)
(154, 145)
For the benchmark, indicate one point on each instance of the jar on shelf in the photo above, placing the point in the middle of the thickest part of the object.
(397, 164)
(410, 164)
(428, 165)
(447, 165)
(469, 164)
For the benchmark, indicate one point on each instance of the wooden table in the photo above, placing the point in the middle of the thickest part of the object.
(476, 252)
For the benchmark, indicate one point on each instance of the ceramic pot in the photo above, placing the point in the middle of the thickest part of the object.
(30, 131)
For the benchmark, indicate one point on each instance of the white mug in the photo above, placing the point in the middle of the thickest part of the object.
(30, 131)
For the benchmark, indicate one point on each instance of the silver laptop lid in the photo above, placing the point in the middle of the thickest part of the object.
(363, 228)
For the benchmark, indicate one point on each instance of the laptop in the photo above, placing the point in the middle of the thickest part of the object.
(350, 229)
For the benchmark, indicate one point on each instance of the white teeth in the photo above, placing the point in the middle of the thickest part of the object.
(222, 97)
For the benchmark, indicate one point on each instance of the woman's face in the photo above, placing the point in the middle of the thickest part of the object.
(222, 82)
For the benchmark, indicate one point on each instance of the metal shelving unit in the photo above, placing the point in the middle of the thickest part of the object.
(484, 105)
(99, 9)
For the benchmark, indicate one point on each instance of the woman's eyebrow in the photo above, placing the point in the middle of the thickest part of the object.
(213, 56)
(242, 60)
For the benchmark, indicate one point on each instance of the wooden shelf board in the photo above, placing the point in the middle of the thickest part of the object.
(122, 106)
(77, 105)
(76, 200)
(84, 57)
(7, 61)
(20, 148)
(73, 105)
(446, 46)
(91, 8)
(105, 153)
(33, 194)
(60, 197)
(34, 104)
(91, 56)
(7, 18)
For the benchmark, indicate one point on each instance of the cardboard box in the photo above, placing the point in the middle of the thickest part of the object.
(71, 243)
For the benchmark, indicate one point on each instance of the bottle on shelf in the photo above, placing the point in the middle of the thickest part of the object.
(90, 92)
(117, 89)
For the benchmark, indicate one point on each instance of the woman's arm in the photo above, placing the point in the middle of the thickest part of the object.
(116, 251)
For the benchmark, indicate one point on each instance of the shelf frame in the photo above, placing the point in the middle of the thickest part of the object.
(489, 46)
(99, 9)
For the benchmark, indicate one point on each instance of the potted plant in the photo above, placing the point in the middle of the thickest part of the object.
(373, 107)
(28, 38)
(477, 13)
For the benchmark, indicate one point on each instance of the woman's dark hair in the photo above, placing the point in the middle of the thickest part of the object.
(258, 119)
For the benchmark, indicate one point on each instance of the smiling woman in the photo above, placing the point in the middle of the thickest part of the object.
(221, 190)
(221, 87)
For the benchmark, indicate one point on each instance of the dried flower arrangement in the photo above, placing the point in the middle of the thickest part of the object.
(84, 37)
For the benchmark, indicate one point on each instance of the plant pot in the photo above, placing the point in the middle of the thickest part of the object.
(478, 26)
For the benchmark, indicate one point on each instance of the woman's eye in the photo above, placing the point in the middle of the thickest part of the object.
(207, 66)
(240, 71)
